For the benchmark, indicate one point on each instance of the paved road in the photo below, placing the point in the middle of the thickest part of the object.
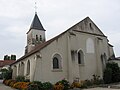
(101, 89)
(3, 87)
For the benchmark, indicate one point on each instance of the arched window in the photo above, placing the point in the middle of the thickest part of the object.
(28, 67)
(57, 61)
(19, 70)
(89, 46)
(80, 57)
(36, 37)
(40, 38)
(22, 69)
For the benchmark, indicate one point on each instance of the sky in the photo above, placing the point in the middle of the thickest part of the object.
(56, 16)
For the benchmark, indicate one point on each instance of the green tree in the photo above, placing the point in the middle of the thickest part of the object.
(7, 74)
(13, 57)
(115, 70)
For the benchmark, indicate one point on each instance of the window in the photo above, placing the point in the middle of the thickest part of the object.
(36, 37)
(90, 46)
(90, 26)
(40, 38)
(57, 61)
(22, 69)
(28, 67)
(80, 57)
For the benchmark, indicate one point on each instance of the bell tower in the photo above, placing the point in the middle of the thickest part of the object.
(35, 35)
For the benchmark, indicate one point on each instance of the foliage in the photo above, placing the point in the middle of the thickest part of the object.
(58, 86)
(87, 83)
(21, 85)
(107, 76)
(33, 87)
(7, 74)
(12, 57)
(38, 83)
(115, 76)
(20, 78)
(76, 85)
(47, 86)
(41, 86)
(96, 80)
(17, 85)
(65, 84)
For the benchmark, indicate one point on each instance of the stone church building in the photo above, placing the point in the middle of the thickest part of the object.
(75, 54)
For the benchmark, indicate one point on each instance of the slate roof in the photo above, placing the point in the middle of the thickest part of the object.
(36, 24)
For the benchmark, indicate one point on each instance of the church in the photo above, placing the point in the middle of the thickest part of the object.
(75, 54)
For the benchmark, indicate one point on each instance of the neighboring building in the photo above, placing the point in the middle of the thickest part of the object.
(116, 60)
(75, 54)
(6, 63)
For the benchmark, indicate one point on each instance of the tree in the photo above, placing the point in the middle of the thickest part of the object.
(7, 74)
(112, 72)
(12, 57)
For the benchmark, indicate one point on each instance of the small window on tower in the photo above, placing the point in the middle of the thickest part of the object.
(36, 37)
(40, 38)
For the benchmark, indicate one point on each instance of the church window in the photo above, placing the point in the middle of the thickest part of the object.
(22, 69)
(80, 57)
(36, 37)
(90, 26)
(89, 46)
(40, 38)
(57, 61)
(19, 70)
(28, 67)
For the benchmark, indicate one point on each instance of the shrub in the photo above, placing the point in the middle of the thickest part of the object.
(24, 85)
(107, 76)
(65, 84)
(47, 86)
(6, 74)
(58, 86)
(96, 80)
(17, 85)
(76, 85)
(87, 83)
(20, 78)
(38, 83)
(12, 83)
(21, 85)
(33, 87)
(115, 76)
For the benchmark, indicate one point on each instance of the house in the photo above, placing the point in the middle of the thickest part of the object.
(5, 63)
(75, 54)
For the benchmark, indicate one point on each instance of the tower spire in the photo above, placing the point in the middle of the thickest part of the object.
(35, 7)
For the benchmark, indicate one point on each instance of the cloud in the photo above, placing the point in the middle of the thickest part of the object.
(56, 16)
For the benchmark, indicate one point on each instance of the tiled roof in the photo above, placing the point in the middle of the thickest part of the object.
(41, 46)
(6, 62)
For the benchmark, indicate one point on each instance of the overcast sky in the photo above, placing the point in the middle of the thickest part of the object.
(56, 16)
